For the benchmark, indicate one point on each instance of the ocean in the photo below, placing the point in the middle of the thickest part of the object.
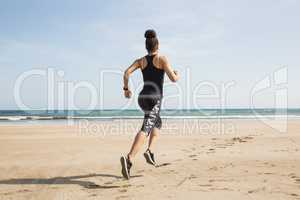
(36, 115)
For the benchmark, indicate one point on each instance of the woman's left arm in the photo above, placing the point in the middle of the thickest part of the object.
(135, 65)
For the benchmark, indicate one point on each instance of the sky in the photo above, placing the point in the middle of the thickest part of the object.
(222, 50)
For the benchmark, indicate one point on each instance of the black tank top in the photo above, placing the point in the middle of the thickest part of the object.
(153, 78)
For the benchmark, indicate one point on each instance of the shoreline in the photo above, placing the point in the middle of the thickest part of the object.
(216, 117)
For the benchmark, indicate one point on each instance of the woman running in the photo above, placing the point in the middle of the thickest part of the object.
(153, 68)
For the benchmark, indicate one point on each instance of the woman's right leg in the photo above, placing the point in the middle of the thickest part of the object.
(137, 144)
(153, 138)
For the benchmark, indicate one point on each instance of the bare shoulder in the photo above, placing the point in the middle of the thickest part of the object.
(162, 57)
(140, 61)
(140, 58)
(163, 60)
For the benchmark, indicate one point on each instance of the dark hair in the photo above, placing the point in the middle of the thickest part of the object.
(151, 40)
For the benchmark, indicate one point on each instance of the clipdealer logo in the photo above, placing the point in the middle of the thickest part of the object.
(276, 83)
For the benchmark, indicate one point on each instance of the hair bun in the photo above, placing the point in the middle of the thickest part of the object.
(150, 34)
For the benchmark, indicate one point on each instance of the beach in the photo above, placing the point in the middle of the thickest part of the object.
(197, 159)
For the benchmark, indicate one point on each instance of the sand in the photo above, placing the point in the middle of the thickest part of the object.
(228, 159)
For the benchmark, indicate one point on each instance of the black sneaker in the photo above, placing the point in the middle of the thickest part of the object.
(126, 165)
(149, 157)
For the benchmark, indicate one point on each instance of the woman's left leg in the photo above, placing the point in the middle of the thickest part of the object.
(137, 144)
(126, 162)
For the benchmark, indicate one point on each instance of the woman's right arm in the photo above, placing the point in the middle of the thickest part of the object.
(172, 74)
(135, 65)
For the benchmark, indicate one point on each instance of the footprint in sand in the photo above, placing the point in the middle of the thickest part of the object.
(192, 156)
(270, 164)
(237, 139)
(138, 186)
(226, 189)
(221, 146)
(123, 190)
(257, 190)
(122, 197)
(268, 173)
(292, 175)
(192, 176)
(210, 151)
(241, 139)
(295, 178)
(213, 169)
(178, 160)
(126, 186)
(205, 185)
(172, 172)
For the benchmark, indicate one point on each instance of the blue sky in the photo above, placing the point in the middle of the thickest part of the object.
(216, 41)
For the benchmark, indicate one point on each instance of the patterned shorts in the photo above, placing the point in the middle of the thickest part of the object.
(151, 108)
